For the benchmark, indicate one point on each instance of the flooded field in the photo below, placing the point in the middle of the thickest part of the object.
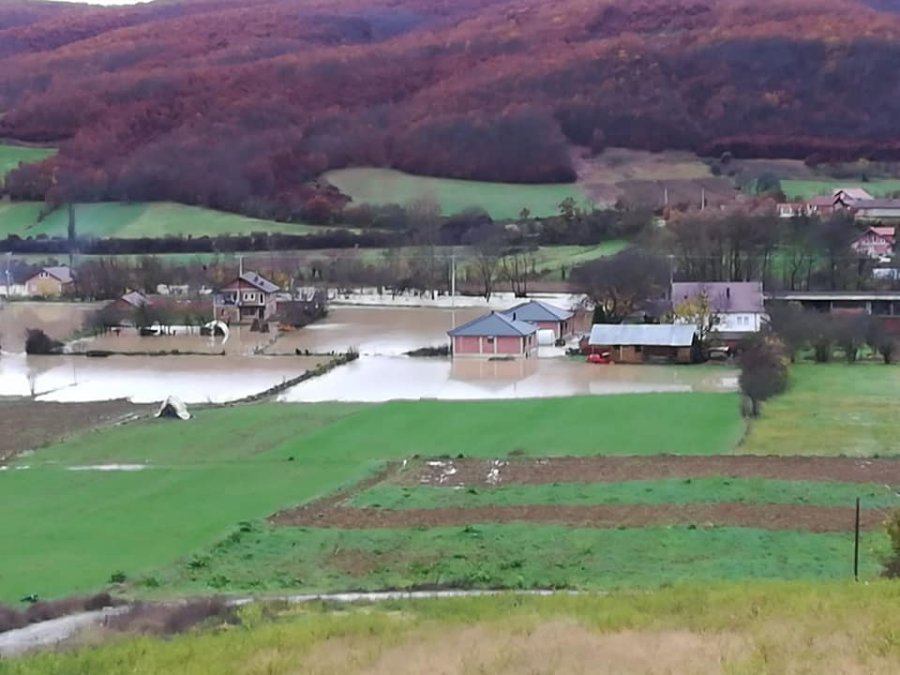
(143, 379)
(372, 379)
(381, 331)
(241, 341)
(59, 320)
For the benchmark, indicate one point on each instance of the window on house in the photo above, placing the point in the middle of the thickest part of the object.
(638, 349)
(490, 339)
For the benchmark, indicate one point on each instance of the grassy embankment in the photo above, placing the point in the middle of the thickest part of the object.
(503, 201)
(13, 155)
(234, 464)
(135, 220)
(833, 409)
(739, 629)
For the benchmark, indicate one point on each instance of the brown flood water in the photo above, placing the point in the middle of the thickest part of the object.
(388, 378)
(59, 320)
(146, 379)
(376, 331)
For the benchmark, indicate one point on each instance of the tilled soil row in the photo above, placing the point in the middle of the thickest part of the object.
(476, 472)
(769, 517)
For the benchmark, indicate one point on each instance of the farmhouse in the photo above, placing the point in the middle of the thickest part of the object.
(875, 242)
(738, 307)
(643, 343)
(494, 335)
(129, 302)
(249, 297)
(877, 209)
(544, 317)
(50, 282)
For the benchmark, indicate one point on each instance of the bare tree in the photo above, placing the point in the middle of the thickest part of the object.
(516, 268)
(486, 243)
(618, 285)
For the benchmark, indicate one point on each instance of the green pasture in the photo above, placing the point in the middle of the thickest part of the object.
(67, 531)
(807, 189)
(668, 491)
(831, 409)
(788, 627)
(13, 155)
(136, 220)
(267, 559)
(503, 201)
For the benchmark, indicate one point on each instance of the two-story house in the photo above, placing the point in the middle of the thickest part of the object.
(50, 282)
(875, 242)
(249, 297)
(737, 307)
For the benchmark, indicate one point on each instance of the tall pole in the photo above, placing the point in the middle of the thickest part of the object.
(856, 544)
(453, 279)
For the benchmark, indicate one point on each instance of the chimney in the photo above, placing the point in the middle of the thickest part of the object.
(728, 292)
(514, 316)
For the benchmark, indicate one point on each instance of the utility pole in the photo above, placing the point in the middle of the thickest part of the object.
(240, 265)
(8, 276)
(453, 278)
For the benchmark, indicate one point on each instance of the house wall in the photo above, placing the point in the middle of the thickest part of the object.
(44, 285)
(485, 346)
(739, 322)
(872, 246)
(560, 329)
(642, 354)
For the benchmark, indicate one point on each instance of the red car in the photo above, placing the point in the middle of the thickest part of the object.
(599, 358)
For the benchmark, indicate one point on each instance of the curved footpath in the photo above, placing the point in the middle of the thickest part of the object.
(55, 631)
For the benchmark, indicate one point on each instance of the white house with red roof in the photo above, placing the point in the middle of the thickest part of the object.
(875, 242)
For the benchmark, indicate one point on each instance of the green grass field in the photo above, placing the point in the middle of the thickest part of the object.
(234, 464)
(806, 189)
(833, 409)
(501, 200)
(13, 155)
(740, 629)
(143, 219)
(670, 491)
(267, 559)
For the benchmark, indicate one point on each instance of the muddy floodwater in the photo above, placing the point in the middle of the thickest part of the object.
(143, 379)
(381, 331)
(374, 379)
(186, 339)
(58, 319)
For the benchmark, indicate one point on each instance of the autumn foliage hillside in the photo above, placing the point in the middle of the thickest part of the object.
(240, 105)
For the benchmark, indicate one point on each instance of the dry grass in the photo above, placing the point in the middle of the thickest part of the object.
(738, 629)
(561, 646)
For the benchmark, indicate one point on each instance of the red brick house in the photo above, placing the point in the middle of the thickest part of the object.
(875, 242)
(249, 297)
(494, 335)
(544, 317)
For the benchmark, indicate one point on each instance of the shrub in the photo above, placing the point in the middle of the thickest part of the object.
(892, 564)
(172, 619)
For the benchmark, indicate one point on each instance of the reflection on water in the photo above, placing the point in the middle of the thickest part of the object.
(194, 379)
(389, 378)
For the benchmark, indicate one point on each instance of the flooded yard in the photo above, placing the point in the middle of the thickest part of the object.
(59, 320)
(186, 339)
(146, 379)
(381, 331)
(372, 379)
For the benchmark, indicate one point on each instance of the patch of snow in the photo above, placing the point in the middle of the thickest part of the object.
(109, 467)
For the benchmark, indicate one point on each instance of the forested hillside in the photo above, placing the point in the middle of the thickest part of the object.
(241, 106)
